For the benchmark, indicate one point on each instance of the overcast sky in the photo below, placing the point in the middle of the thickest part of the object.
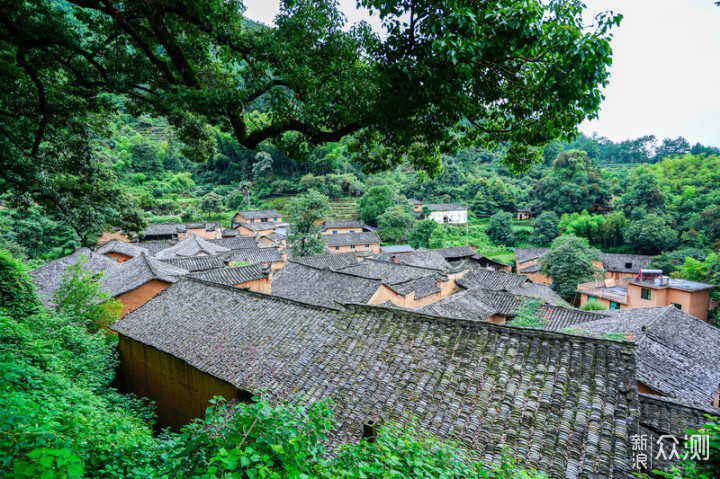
(665, 77)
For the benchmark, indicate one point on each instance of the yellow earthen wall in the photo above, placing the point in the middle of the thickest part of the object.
(180, 391)
(139, 296)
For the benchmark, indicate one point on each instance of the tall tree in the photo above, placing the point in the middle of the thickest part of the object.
(573, 185)
(644, 193)
(569, 262)
(650, 234)
(500, 229)
(306, 214)
(545, 228)
(446, 74)
(374, 203)
(394, 224)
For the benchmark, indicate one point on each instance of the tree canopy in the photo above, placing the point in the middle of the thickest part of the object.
(446, 75)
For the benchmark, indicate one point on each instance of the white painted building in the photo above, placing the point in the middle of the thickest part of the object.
(449, 213)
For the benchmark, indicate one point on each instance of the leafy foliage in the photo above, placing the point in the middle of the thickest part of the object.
(545, 228)
(529, 314)
(394, 224)
(306, 214)
(374, 203)
(500, 229)
(569, 262)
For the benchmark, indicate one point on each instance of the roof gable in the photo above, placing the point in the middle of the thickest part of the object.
(117, 246)
(134, 273)
(193, 245)
(321, 286)
(234, 276)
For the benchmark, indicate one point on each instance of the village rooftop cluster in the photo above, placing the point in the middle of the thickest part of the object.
(397, 334)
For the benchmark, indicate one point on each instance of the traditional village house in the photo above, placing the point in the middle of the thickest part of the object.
(648, 289)
(344, 226)
(524, 214)
(229, 233)
(163, 231)
(443, 213)
(191, 246)
(495, 296)
(677, 353)
(258, 216)
(323, 286)
(273, 240)
(526, 264)
(351, 242)
(121, 251)
(138, 280)
(203, 230)
(404, 285)
(255, 277)
(566, 404)
(257, 229)
(47, 278)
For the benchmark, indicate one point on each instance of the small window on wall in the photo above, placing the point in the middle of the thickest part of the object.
(352, 231)
(592, 299)
(678, 306)
(367, 245)
(614, 305)
(337, 248)
(352, 246)
(334, 232)
(645, 293)
(275, 219)
(628, 265)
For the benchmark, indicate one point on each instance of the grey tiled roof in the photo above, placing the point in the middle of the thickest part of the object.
(661, 416)
(163, 229)
(446, 207)
(478, 304)
(423, 287)
(321, 286)
(390, 273)
(402, 248)
(47, 277)
(531, 269)
(625, 263)
(233, 276)
(265, 225)
(260, 255)
(122, 247)
(351, 238)
(559, 402)
(677, 353)
(484, 278)
(528, 254)
(425, 259)
(332, 261)
(193, 245)
(198, 263)
(240, 242)
(452, 253)
(344, 224)
(205, 226)
(135, 272)
(154, 247)
(254, 214)
(566, 318)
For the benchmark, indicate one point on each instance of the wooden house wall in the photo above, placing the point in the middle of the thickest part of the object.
(180, 392)
(121, 258)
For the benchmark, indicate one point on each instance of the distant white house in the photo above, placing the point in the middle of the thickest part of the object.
(449, 213)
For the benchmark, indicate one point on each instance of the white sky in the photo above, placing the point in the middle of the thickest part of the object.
(665, 77)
